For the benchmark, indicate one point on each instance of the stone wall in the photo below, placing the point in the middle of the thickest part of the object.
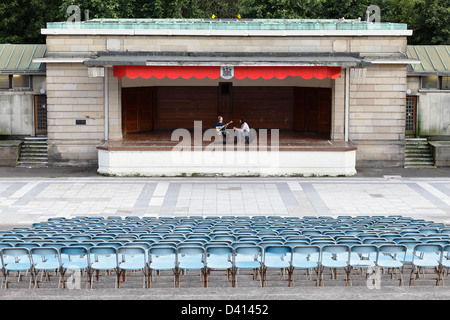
(367, 46)
(72, 96)
(377, 115)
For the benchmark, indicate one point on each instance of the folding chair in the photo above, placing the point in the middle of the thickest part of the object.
(218, 257)
(102, 259)
(162, 258)
(392, 257)
(44, 260)
(276, 257)
(445, 262)
(426, 256)
(305, 257)
(190, 258)
(247, 257)
(335, 257)
(362, 257)
(132, 259)
(15, 260)
(75, 259)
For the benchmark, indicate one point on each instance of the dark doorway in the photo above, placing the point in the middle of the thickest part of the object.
(40, 114)
(137, 109)
(312, 110)
(411, 115)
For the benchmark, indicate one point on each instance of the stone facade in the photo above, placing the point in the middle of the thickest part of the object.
(376, 101)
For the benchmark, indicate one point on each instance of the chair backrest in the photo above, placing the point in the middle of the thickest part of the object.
(309, 252)
(163, 251)
(248, 252)
(222, 252)
(395, 251)
(44, 252)
(281, 251)
(74, 251)
(364, 249)
(102, 251)
(336, 251)
(191, 251)
(131, 251)
(14, 252)
(431, 252)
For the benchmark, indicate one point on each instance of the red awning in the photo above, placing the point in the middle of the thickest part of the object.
(200, 72)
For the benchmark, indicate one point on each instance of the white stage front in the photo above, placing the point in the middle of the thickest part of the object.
(340, 162)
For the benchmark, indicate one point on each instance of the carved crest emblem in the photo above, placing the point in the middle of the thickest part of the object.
(227, 72)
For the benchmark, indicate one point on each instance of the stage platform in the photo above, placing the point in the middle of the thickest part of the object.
(187, 153)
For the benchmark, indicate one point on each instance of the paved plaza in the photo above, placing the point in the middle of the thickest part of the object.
(28, 196)
(28, 199)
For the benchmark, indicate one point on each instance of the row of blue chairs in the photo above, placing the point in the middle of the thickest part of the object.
(283, 226)
(150, 260)
(229, 232)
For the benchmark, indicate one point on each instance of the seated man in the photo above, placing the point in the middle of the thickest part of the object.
(221, 128)
(242, 132)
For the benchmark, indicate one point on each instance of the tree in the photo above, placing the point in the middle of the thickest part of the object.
(280, 9)
(431, 22)
(21, 20)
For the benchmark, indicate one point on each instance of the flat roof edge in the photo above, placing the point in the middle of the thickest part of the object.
(230, 33)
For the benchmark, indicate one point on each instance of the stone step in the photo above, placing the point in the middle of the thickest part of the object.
(418, 155)
(418, 164)
(36, 157)
(34, 152)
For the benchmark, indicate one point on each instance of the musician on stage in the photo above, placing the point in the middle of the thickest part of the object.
(221, 128)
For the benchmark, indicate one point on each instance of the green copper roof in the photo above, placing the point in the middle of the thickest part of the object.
(434, 59)
(19, 57)
(227, 24)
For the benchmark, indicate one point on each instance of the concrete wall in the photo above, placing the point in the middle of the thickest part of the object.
(433, 109)
(9, 152)
(17, 109)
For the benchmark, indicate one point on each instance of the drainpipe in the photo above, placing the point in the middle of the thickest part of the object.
(106, 91)
(347, 103)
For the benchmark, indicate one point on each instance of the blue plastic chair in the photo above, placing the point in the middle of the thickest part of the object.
(76, 259)
(392, 257)
(362, 257)
(305, 257)
(426, 256)
(219, 257)
(247, 257)
(162, 258)
(132, 258)
(102, 258)
(45, 260)
(276, 257)
(15, 260)
(445, 262)
(335, 257)
(190, 258)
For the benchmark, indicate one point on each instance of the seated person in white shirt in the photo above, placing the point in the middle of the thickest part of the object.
(242, 132)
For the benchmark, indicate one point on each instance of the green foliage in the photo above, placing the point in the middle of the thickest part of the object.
(21, 20)
(281, 9)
